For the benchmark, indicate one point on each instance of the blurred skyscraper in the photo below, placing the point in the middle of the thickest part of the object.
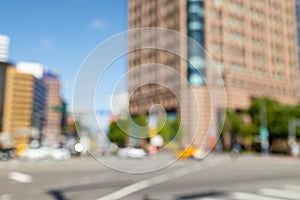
(53, 121)
(298, 34)
(4, 48)
(24, 102)
(30, 101)
(3, 68)
(253, 44)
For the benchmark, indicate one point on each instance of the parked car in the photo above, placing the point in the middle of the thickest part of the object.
(130, 152)
(6, 154)
(7, 150)
(60, 154)
(43, 153)
(35, 153)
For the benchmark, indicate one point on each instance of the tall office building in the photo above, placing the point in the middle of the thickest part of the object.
(18, 101)
(298, 34)
(3, 68)
(53, 117)
(4, 48)
(252, 43)
(24, 101)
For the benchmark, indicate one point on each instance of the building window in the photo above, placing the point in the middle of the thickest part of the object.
(196, 9)
(195, 26)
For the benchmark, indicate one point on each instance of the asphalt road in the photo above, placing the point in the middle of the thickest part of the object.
(216, 177)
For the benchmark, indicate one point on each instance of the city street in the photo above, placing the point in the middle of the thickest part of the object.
(216, 177)
(151, 88)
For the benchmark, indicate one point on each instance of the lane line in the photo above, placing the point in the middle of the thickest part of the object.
(20, 177)
(5, 197)
(280, 193)
(159, 179)
(250, 196)
(293, 188)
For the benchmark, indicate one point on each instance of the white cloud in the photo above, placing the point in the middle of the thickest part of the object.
(97, 24)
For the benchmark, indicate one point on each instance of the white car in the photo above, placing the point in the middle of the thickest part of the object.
(60, 154)
(35, 153)
(45, 153)
(130, 152)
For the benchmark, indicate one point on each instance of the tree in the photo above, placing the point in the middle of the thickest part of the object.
(120, 130)
(141, 122)
(278, 116)
(116, 134)
(233, 122)
(249, 130)
(170, 129)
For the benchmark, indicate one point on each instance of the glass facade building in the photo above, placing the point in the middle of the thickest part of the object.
(39, 103)
(195, 27)
(3, 67)
(298, 27)
(253, 45)
(298, 35)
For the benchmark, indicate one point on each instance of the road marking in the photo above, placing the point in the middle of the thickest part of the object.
(159, 179)
(5, 197)
(292, 188)
(250, 196)
(20, 177)
(280, 193)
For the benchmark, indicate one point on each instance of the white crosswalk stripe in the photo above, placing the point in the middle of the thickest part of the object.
(289, 192)
(5, 197)
(281, 193)
(250, 196)
(20, 177)
(292, 188)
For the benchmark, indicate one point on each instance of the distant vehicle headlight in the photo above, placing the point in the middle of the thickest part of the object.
(79, 147)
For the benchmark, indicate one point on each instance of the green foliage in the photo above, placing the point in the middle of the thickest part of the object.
(277, 119)
(119, 136)
(175, 124)
(141, 121)
(233, 122)
(277, 116)
(249, 130)
(170, 129)
(116, 134)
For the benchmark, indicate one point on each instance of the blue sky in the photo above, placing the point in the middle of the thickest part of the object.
(60, 34)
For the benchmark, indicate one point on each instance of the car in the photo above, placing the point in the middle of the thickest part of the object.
(60, 154)
(44, 153)
(130, 152)
(190, 152)
(35, 153)
(6, 154)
